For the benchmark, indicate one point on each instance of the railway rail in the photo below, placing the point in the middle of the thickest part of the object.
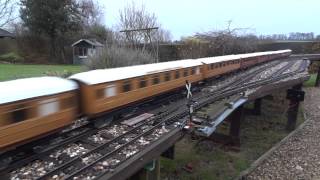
(105, 149)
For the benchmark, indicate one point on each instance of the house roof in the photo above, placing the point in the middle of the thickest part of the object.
(89, 41)
(4, 33)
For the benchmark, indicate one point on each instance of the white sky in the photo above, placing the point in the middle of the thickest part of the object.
(185, 17)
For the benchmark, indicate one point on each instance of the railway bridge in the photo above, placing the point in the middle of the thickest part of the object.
(227, 105)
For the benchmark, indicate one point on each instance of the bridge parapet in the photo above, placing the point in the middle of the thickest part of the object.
(311, 57)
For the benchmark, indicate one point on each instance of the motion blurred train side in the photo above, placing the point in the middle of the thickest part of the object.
(34, 107)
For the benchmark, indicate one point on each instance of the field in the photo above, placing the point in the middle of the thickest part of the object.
(16, 71)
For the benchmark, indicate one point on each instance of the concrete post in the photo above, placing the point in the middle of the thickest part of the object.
(257, 106)
(294, 103)
(147, 173)
(235, 120)
(318, 78)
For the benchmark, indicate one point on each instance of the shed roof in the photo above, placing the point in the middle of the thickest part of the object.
(89, 41)
(4, 33)
(21, 89)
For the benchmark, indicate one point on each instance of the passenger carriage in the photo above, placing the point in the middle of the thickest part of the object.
(105, 90)
(215, 66)
(34, 107)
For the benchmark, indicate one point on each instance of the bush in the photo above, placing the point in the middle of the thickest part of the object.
(11, 57)
(63, 74)
(118, 56)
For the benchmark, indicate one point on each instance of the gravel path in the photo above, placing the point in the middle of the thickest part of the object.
(298, 157)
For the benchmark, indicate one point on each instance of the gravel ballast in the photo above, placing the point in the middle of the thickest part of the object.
(298, 156)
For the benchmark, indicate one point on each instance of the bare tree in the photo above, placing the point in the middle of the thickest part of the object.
(165, 36)
(228, 41)
(91, 12)
(141, 29)
(134, 17)
(137, 18)
(7, 8)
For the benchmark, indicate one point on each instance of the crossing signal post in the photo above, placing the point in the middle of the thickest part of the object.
(189, 103)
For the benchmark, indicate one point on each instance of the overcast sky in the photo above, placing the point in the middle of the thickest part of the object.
(185, 17)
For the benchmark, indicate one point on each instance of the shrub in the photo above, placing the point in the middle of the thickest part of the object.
(11, 57)
(63, 74)
(118, 56)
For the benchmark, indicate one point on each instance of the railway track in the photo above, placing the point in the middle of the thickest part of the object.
(70, 135)
(82, 128)
(105, 149)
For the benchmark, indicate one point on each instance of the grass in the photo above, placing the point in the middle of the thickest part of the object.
(212, 161)
(311, 82)
(16, 71)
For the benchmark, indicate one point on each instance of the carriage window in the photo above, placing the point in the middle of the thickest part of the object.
(126, 86)
(48, 107)
(142, 83)
(167, 76)
(185, 72)
(156, 79)
(193, 70)
(177, 74)
(217, 66)
(19, 114)
(211, 66)
(208, 67)
(110, 91)
(198, 70)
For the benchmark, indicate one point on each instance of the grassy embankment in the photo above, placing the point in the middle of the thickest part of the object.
(16, 71)
(311, 82)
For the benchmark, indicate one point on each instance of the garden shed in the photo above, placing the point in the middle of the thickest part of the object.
(84, 48)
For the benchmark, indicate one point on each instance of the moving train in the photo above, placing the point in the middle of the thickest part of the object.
(35, 107)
